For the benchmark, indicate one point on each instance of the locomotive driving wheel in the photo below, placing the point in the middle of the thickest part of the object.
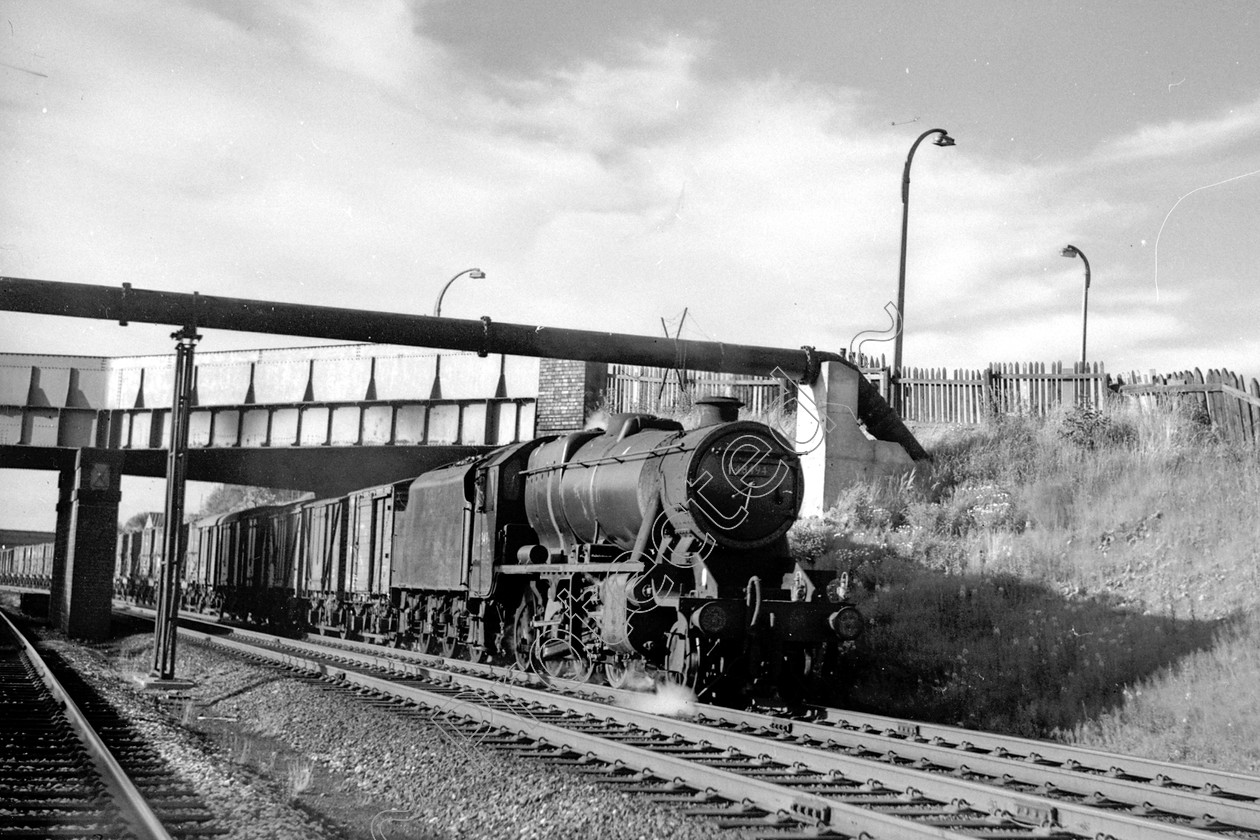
(520, 634)
(682, 659)
(617, 674)
(626, 674)
(563, 656)
(694, 663)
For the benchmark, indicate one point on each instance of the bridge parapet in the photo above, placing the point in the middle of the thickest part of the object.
(339, 395)
(484, 422)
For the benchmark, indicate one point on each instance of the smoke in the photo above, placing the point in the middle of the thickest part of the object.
(668, 699)
(597, 420)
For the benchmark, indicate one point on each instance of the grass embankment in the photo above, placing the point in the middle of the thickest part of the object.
(1092, 577)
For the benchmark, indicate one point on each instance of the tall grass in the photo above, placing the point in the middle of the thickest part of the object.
(1039, 572)
(1201, 710)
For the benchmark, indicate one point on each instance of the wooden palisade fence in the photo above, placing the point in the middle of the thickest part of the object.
(938, 395)
(935, 395)
(655, 390)
(1227, 401)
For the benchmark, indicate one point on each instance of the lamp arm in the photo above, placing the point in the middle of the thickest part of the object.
(437, 308)
(905, 174)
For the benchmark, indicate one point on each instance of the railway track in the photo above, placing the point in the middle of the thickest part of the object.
(979, 755)
(837, 774)
(70, 767)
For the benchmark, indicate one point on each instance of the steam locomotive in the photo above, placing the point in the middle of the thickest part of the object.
(641, 552)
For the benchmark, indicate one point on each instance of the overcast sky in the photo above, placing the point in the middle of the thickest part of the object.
(610, 164)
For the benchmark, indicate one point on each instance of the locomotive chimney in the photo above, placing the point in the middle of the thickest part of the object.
(714, 410)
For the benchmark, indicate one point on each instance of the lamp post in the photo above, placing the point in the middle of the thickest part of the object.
(943, 140)
(1071, 251)
(474, 273)
(435, 393)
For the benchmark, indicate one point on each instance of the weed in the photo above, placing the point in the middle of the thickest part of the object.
(1092, 428)
(242, 749)
(300, 774)
(810, 540)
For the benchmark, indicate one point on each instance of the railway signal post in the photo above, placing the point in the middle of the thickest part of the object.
(163, 673)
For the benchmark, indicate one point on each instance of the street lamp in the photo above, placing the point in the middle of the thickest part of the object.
(435, 393)
(943, 140)
(1071, 251)
(474, 273)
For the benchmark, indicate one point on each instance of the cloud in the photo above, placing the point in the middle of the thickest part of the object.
(638, 93)
(612, 191)
(1180, 138)
(339, 155)
(378, 42)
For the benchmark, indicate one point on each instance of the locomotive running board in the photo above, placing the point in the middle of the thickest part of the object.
(573, 568)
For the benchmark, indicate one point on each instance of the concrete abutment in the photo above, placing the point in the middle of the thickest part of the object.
(835, 451)
(81, 594)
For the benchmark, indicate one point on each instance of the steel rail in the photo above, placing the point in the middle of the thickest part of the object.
(998, 769)
(1099, 761)
(1029, 808)
(131, 804)
(1000, 761)
(776, 798)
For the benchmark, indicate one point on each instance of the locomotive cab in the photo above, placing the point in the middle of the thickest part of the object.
(499, 533)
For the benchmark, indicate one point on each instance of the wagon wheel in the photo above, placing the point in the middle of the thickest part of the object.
(423, 641)
(449, 643)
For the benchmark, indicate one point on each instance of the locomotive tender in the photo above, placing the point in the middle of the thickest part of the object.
(643, 550)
